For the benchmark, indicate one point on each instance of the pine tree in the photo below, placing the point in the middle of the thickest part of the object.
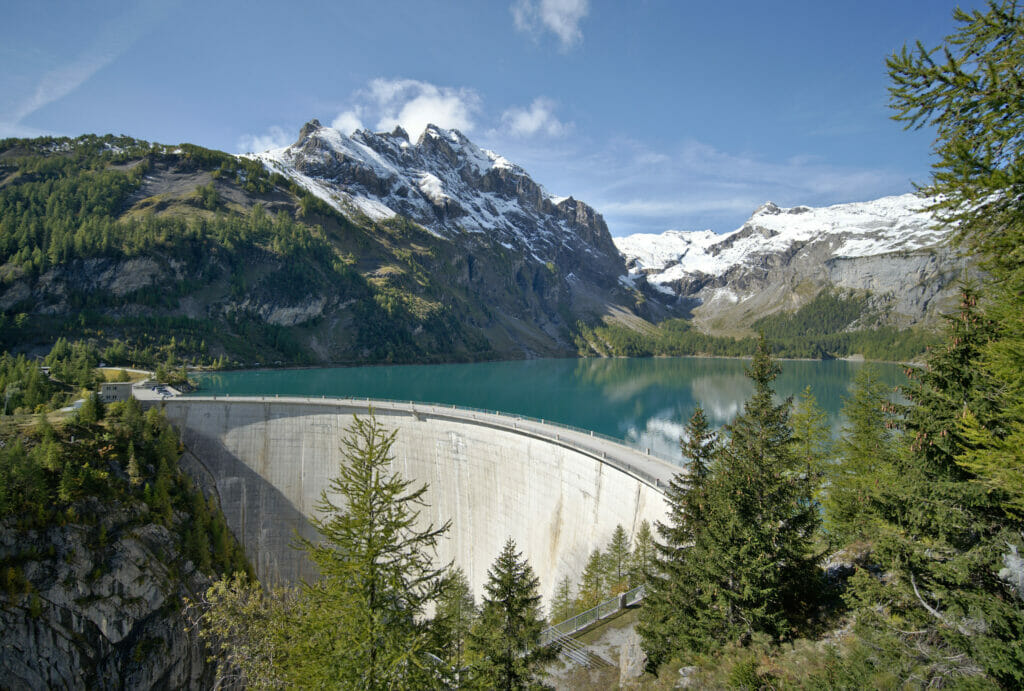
(592, 582)
(563, 605)
(669, 616)
(758, 573)
(971, 96)
(812, 439)
(866, 460)
(616, 559)
(748, 567)
(364, 617)
(505, 642)
(641, 562)
(943, 612)
(134, 473)
(454, 617)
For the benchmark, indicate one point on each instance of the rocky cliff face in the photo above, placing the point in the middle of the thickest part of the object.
(781, 258)
(104, 607)
(473, 198)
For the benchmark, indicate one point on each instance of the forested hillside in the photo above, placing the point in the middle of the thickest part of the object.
(154, 251)
(101, 538)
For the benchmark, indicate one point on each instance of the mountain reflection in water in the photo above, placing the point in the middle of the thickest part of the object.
(643, 401)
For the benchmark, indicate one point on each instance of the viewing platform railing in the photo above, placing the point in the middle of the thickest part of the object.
(606, 609)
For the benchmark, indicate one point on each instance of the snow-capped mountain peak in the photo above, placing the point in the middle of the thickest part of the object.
(759, 265)
(453, 188)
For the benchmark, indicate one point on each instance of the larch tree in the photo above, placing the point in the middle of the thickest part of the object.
(949, 610)
(865, 463)
(616, 559)
(364, 619)
(454, 617)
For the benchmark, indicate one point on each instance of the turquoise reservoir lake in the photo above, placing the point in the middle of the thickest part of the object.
(643, 401)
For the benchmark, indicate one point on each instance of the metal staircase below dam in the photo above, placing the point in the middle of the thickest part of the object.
(563, 633)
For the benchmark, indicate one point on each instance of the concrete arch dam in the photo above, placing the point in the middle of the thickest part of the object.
(558, 492)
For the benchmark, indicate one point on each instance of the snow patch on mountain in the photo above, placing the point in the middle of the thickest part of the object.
(861, 229)
(890, 248)
(445, 183)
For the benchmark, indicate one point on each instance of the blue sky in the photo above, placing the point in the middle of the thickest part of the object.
(670, 114)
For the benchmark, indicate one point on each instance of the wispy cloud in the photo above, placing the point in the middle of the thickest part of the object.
(274, 138)
(561, 17)
(539, 118)
(112, 41)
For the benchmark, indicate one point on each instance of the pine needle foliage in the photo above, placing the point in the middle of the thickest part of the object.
(505, 643)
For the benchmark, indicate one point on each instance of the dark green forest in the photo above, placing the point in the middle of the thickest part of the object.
(817, 330)
(68, 206)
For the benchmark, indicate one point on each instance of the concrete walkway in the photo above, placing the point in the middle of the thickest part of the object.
(651, 470)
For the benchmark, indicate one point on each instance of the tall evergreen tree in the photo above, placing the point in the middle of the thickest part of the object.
(642, 560)
(971, 95)
(758, 573)
(363, 621)
(593, 584)
(616, 559)
(941, 535)
(454, 618)
(866, 460)
(667, 621)
(563, 604)
(812, 439)
(505, 643)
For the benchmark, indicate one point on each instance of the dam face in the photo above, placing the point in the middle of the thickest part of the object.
(493, 476)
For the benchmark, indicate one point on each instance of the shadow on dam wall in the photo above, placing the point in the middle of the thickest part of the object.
(269, 461)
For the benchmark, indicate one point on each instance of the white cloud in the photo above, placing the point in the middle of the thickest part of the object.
(348, 121)
(561, 17)
(273, 138)
(411, 103)
(538, 118)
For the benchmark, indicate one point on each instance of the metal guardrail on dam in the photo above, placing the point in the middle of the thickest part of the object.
(651, 470)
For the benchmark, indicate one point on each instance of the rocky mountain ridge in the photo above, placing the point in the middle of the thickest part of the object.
(891, 248)
(448, 185)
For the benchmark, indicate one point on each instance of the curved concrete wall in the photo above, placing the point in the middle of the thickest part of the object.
(494, 477)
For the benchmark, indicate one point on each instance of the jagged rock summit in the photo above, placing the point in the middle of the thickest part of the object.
(891, 248)
(450, 186)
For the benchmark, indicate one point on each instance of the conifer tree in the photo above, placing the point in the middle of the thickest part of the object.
(505, 642)
(616, 559)
(758, 573)
(866, 460)
(592, 582)
(669, 616)
(743, 562)
(641, 561)
(941, 535)
(971, 95)
(562, 604)
(134, 472)
(812, 439)
(364, 617)
(454, 617)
